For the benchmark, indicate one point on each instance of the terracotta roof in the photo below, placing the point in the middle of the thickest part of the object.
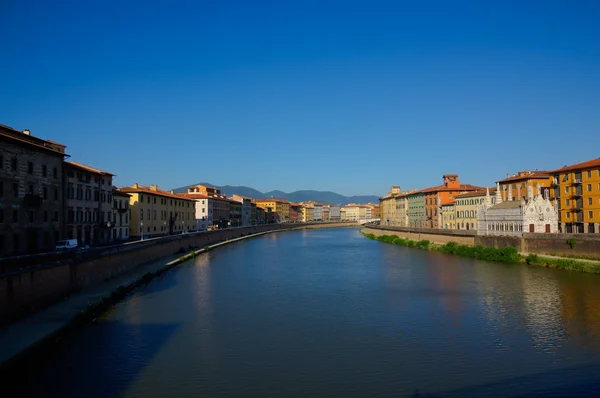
(449, 202)
(271, 200)
(194, 195)
(527, 175)
(443, 188)
(579, 166)
(158, 192)
(89, 168)
(479, 192)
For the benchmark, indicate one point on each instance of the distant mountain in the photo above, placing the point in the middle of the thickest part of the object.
(325, 197)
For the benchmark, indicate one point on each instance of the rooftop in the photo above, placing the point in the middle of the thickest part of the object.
(479, 192)
(594, 163)
(443, 188)
(527, 175)
(90, 169)
(25, 137)
(153, 190)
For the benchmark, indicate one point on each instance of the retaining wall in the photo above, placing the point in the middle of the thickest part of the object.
(587, 245)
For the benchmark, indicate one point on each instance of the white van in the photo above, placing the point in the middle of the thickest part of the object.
(68, 244)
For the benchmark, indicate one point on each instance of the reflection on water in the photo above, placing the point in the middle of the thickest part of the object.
(330, 313)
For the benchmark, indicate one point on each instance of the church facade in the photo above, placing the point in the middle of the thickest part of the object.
(533, 214)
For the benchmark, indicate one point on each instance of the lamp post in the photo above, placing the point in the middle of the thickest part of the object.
(142, 228)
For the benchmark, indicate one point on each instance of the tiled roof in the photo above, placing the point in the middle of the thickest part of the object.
(158, 192)
(527, 175)
(449, 202)
(594, 163)
(479, 192)
(271, 200)
(443, 188)
(89, 168)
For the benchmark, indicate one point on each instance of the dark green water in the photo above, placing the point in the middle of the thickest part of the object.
(330, 313)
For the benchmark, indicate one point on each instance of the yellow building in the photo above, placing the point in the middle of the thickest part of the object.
(448, 215)
(466, 205)
(308, 212)
(515, 187)
(155, 212)
(576, 190)
(279, 208)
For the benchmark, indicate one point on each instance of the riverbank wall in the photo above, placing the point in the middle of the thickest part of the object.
(31, 284)
(562, 245)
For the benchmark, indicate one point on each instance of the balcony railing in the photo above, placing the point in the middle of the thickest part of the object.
(554, 182)
(576, 181)
(576, 193)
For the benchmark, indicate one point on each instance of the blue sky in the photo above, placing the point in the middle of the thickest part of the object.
(347, 96)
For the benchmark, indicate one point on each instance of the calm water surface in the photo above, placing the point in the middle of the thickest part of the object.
(330, 313)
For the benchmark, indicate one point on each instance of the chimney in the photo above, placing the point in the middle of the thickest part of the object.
(26, 132)
(153, 187)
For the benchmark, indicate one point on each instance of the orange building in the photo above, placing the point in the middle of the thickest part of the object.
(515, 187)
(295, 212)
(435, 196)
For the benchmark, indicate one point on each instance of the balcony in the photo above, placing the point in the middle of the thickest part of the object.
(577, 181)
(576, 192)
(31, 200)
(554, 182)
(123, 209)
(579, 218)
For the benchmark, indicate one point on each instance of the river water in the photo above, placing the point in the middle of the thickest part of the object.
(326, 313)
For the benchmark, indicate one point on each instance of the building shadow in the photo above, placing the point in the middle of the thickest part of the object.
(102, 360)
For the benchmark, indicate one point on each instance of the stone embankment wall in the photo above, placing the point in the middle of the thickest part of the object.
(587, 245)
(28, 284)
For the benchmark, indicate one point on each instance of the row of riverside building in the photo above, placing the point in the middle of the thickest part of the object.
(45, 198)
(565, 200)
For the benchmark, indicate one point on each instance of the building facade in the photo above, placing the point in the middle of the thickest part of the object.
(31, 198)
(334, 213)
(89, 204)
(434, 196)
(326, 213)
(295, 212)
(416, 209)
(246, 209)
(318, 212)
(155, 212)
(308, 212)
(121, 216)
(280, 209)
(576, 191)
(467, 205)
(515, 187)
(448, 214)
(533, 214)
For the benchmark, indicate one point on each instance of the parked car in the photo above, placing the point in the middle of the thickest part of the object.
(68, 244)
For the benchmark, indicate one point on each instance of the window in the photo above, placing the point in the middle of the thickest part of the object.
(567, 202)
(589, 174)
(45, 215)
(589, 201)
(13, 164)
(155, 213)
(590, 214)
(589, 187)
(30, 167)
(566, 189)
(55, 216)
(31, 189)
(141, 214)
(149, 214)
(45, 190)
(30, 215)
(568, 214)
(1, 188)
(55, 173)
(55, 193)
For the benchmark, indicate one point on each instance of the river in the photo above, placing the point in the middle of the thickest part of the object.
(326, 313)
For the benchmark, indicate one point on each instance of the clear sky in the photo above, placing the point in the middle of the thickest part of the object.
(347, 96)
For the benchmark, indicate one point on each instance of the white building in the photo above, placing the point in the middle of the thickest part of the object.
(203, 211)
(318, 214)
(533, 214)
(246, 208)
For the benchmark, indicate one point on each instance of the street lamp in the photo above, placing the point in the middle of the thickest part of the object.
(142, 228)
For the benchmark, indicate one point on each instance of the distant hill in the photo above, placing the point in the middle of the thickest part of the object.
(325, 197)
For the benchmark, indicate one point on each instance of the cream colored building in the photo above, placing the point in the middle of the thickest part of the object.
(155, 212)
(448, 215)
(466, 207)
